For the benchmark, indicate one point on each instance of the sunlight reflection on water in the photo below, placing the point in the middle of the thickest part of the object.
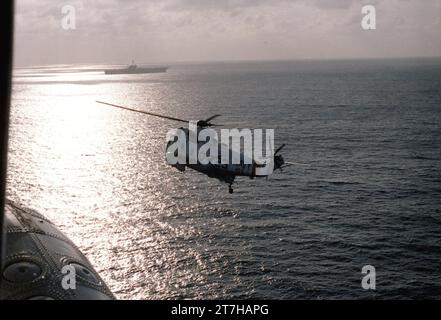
(99, 174)
(152, 232)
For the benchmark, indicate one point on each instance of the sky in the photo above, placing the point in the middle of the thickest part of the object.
(155, 31)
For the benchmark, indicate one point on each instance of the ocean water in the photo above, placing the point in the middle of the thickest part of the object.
(367, 132)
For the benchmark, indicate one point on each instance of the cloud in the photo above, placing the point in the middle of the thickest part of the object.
(330, 4)
(158, 30)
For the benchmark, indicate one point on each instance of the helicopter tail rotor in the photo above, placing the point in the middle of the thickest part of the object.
(278, 162)
(279, 149)
(278, 159)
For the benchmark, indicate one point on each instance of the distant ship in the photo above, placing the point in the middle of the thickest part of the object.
(133, 68)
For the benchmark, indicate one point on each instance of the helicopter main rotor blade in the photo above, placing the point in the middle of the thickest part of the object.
(212, 117)
(143, 112)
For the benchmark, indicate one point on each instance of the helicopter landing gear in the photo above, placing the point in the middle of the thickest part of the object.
(230, 189)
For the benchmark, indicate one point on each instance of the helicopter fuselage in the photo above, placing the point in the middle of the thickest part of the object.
(219, 167)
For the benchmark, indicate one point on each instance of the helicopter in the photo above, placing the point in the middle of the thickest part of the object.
(224, 172)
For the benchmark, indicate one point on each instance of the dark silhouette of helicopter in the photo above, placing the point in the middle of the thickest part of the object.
(225, 172)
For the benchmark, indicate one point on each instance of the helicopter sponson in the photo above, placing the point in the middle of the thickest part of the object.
(35, 254)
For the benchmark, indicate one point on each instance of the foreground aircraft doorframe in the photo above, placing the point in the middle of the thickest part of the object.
(6, 38)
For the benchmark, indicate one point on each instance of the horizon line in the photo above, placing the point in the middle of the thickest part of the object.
(189, 62)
